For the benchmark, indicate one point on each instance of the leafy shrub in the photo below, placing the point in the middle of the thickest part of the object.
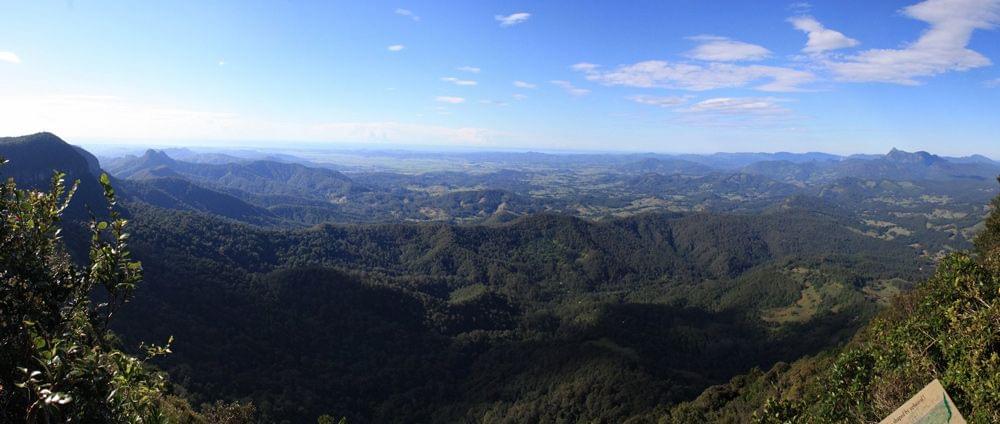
(58, 361)
(948, 328)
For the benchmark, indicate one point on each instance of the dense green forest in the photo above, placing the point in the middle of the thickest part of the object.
(653, 307)
(946, 329)
(650, 317)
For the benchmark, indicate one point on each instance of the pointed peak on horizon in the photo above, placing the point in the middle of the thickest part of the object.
(919, 156)
(157, 157)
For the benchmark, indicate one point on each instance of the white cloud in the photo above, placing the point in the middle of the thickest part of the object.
(519, 96)
(993, 83)
(222, 62)
(494, 102)
(570, 88)
(722, 49)
(584, 67)
(941, 48)
(739, 106)
(449, 99)
(697, 77)
(661, 101)
(469, 69)
(395, 47)
(736, 112)
(522, 84)
(9, 57)
(821, 39)
(457, 81)
(512, 19)
(115, 118)
(407, 13)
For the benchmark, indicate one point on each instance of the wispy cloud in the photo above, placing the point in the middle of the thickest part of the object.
(698, 77)
(522, 84)
(469, 69)
(661, 101)
(721, 49)
(584, 67)
(408, 13)
(821, 39)
(570, 88)
(457, 81)
(449, 99)
(993, 83)
(494, 102)
(512, 19)
(9, 57)
(941, 48)
(519, 96)
(739, 106)
(87, 115)
(396, 47)
(736, 112)
(116, 118)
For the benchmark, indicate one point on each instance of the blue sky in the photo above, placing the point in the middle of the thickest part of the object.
(667, 76)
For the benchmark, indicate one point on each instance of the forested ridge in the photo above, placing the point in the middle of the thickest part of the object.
(945, 329)
(652, 317)
(647, 310)
(928, 200)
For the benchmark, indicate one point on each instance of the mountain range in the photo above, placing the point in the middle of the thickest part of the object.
(640, 289)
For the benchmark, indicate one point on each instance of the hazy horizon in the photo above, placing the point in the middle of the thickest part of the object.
(262, 146)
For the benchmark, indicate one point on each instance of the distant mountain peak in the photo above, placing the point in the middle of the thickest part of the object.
(33, 159)
(973, 159)
(156, 157)
(919, 157)
(38, 139)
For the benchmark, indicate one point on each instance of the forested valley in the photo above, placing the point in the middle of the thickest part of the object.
(657, 290)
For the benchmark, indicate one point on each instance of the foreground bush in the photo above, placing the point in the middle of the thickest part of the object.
(58, 361)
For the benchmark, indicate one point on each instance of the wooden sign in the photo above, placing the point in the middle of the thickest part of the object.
(931, 405)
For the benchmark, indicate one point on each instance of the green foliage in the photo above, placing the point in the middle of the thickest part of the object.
(229, 413)
(58, 362)
(989, 239)
(543, 318)
(948, 328)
